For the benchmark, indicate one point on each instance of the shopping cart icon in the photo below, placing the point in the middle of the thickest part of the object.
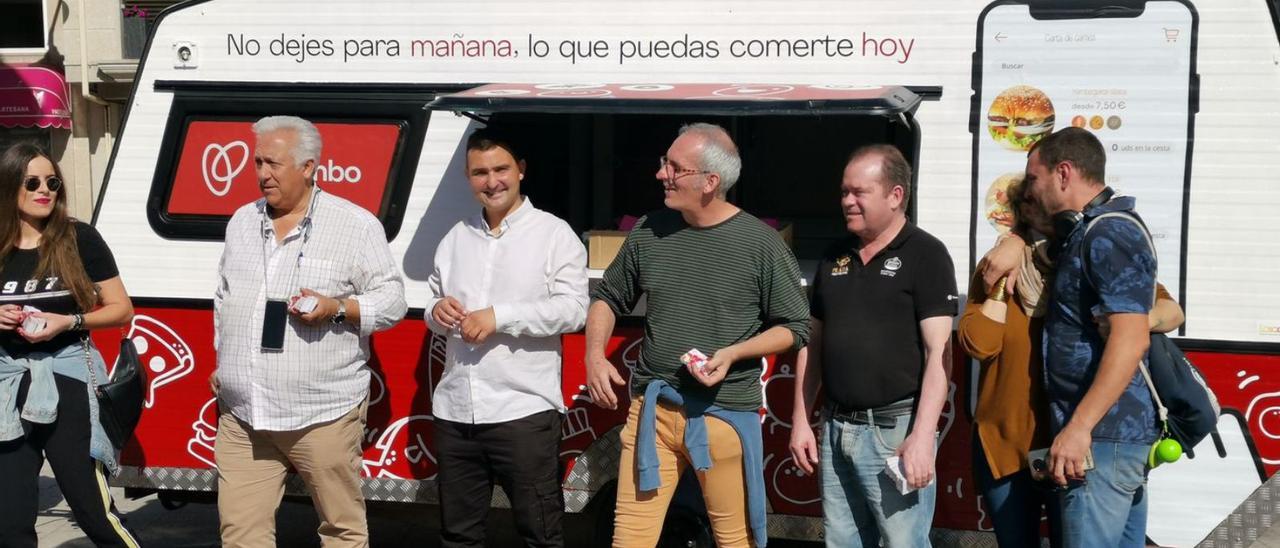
(1171, 35)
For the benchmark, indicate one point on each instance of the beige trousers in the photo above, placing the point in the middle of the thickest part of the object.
(639, 515)
(251, 473)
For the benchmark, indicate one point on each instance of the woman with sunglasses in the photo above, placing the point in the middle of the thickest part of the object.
(1002, 330)
(58, 280)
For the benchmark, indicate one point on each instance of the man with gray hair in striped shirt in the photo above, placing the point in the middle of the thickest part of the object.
(305, 278)
(719, 283)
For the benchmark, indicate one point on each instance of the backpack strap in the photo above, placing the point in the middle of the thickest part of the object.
(1084, 266)
(1155, 394)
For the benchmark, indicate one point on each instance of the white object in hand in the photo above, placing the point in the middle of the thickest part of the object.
(894, 469)
(305, 305)
(31, 323)
(695, 359)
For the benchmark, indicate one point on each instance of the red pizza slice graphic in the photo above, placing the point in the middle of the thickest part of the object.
(162, 352)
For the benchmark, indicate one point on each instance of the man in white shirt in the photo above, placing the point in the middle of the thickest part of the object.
(292, 380)
(507, 283)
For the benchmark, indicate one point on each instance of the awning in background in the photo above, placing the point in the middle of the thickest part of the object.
(34, 97)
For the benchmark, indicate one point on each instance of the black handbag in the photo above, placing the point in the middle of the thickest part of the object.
(120, 399)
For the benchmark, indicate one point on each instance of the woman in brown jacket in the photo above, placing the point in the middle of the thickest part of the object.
(1002, 329)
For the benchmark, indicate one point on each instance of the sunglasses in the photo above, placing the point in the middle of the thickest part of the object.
(32, 184)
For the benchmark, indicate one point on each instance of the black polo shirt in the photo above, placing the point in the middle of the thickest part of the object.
(872, 350)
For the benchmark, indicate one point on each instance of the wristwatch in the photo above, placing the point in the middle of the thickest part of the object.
(341, 316)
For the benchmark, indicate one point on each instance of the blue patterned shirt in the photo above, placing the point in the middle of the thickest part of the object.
(1120, 279)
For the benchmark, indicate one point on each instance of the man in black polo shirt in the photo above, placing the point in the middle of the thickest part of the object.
(882, 306)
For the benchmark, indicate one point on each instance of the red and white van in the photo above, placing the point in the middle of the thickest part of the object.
(1184, 93)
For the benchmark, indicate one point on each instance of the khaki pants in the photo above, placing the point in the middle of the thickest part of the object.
(639, 515)
(251, 474)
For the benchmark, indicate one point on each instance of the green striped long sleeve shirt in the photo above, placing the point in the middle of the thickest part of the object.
(706, 288)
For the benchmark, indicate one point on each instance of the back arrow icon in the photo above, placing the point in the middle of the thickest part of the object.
(1000, 36)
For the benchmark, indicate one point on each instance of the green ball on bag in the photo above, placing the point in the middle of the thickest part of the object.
(1164, 451)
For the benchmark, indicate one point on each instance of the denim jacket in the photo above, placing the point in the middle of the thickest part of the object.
(41, 405)
(745, 423)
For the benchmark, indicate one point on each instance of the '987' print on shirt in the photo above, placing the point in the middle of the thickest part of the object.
(31, 287)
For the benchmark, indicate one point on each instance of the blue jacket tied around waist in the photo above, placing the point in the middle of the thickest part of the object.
(41, 405)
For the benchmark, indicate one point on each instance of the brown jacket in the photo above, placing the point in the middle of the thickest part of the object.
(1012, 415)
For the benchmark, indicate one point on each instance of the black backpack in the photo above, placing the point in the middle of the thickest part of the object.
(1187, 408)
(1182, 397)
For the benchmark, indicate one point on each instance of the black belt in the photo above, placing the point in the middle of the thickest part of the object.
(884, 417)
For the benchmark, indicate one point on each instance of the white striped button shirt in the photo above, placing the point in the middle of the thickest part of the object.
(533, 273)
(321, 373)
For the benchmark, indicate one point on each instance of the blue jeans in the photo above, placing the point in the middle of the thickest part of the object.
(860, 503)
(1015, 503)
(1110, 507)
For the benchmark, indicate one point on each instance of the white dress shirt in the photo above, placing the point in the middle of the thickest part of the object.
(321, 373)
(533, 273)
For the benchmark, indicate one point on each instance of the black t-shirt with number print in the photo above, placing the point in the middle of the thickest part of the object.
(19, 286)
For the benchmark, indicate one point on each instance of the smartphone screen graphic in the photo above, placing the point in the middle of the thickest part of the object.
(1126, 77)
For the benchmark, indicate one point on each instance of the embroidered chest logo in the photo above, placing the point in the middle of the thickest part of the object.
(842, 266)
(891, 266)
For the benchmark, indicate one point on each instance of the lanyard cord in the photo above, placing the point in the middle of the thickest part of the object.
(304, 226)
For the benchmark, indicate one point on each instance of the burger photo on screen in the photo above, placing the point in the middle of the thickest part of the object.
(997, 205)
(1020, 116)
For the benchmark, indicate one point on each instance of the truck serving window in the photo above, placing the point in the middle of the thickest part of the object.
(206, 170)
(593, 148)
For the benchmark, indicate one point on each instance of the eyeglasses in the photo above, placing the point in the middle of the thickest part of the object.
(32, 184)
(674, 172)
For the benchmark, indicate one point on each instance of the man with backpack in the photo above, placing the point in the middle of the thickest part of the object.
(1101, 409)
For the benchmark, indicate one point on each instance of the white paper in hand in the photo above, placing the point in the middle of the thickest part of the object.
(305, 305)
(893, 468)
(30, 323)
(695, 360)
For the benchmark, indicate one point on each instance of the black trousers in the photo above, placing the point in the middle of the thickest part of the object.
(522, 456)
(82, 480)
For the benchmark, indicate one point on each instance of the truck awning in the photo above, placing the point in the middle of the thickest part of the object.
(34, 97)
(716, 99)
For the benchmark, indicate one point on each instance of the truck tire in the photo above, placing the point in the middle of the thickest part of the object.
(602, 513)
(169, 502)
(682, 527)
(686, 529)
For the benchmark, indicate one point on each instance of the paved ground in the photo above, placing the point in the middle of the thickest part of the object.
(196, 525)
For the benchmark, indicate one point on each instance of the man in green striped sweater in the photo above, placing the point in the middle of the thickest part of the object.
(722, 282)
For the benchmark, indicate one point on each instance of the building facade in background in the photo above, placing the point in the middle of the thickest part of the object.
(65, 85)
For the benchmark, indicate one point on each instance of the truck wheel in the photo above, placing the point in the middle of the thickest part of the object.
(685, 529)
(170, 503)
(602, 513)
(681, 528)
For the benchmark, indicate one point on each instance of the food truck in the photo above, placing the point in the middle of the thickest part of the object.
(1182, 94)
